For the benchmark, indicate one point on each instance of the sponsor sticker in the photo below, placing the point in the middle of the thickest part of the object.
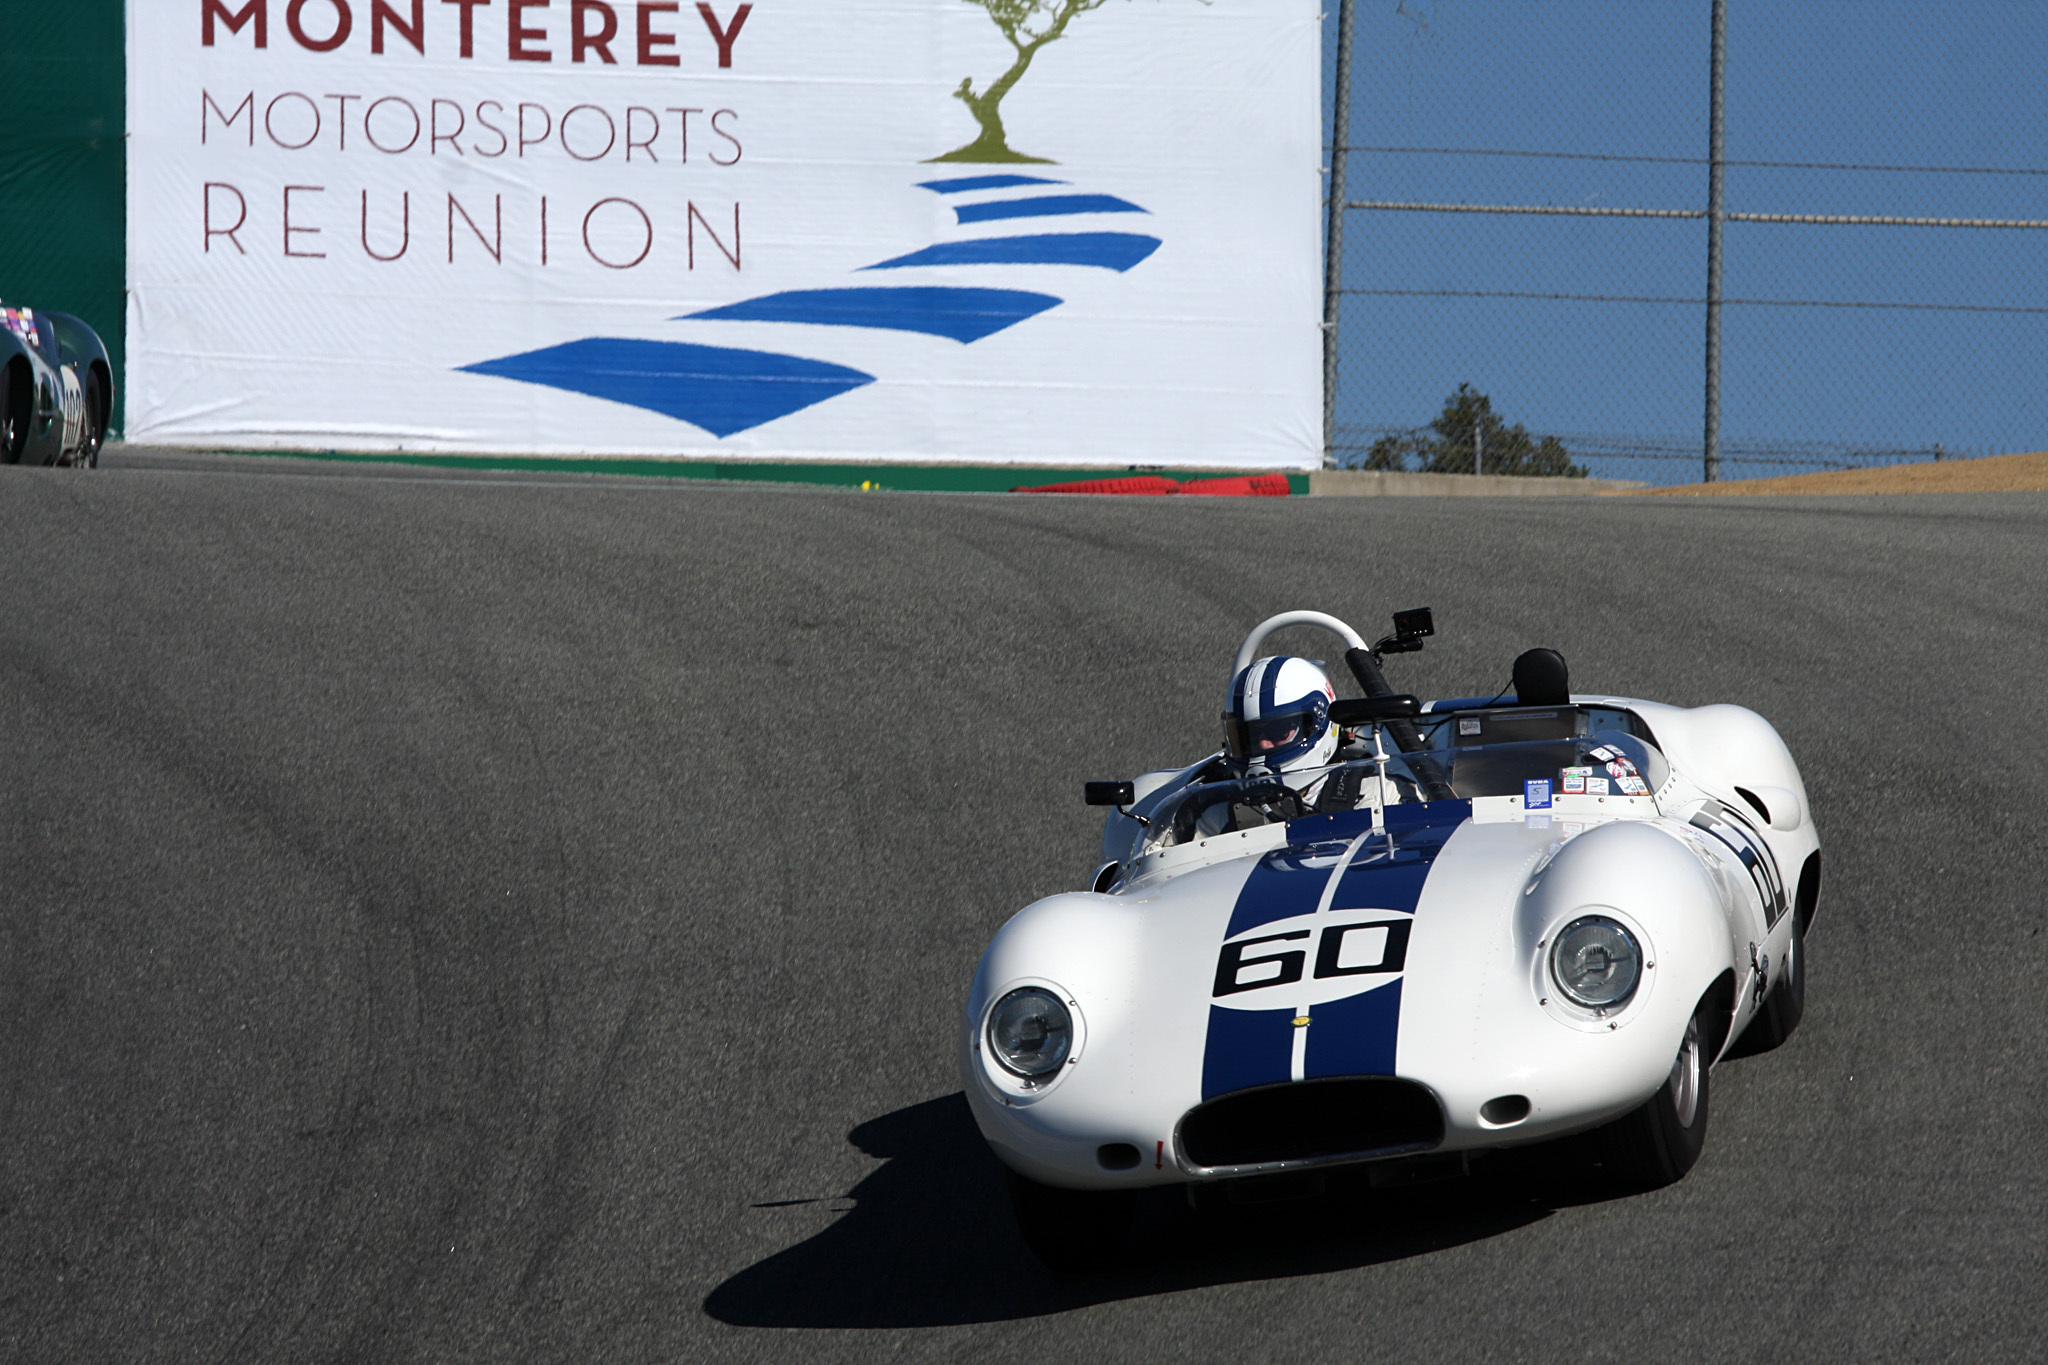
(1603, 754)
(1574, 781)
(1596, 786)
(1621, 767)
(1469, 726)
(1536, 793)
(1632, 785)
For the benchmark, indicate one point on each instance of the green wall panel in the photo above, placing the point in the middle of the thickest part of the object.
(63, 163)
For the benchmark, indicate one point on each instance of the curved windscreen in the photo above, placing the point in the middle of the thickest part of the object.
(1580, 750)
(1607, 763)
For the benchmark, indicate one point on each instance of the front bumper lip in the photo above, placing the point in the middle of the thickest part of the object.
(1188, 1167)
(1034, 1141)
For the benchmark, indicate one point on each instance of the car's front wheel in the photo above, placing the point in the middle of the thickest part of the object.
(1071, 1231)
(88, 455)
(1658, 1143)
(17, 394)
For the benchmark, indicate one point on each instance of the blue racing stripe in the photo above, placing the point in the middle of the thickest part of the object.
(1354, 1036)
(1247, 1048)
(1281, 886)
(1376, 882)
(1358, 1034)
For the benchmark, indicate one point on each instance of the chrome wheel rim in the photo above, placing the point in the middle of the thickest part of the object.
(1685, 1077)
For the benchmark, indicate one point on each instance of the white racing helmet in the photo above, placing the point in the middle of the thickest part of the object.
(1276, 717)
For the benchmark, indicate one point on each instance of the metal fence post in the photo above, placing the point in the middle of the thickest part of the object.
(1333, 236)
(1711, 445)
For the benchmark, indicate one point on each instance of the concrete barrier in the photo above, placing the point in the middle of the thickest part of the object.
(1374, 483)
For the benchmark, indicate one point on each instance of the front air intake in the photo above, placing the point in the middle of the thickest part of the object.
(1312, 1121)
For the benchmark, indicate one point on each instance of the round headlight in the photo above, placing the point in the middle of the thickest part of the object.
(1030, 1032)
(1596, 963)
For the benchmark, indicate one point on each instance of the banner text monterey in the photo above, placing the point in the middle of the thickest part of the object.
(614, 231)
(592, 31)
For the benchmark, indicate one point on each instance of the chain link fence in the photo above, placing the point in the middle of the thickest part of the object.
(1528, 208)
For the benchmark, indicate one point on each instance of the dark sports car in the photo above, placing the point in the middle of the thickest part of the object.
(56, 389)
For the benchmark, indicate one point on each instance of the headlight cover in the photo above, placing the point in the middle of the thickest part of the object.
(1030, 1033)
(1596, 963)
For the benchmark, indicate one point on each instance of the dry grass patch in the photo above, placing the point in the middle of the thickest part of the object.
(1993, 474)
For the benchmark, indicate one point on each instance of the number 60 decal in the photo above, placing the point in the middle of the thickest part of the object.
(1331, 955)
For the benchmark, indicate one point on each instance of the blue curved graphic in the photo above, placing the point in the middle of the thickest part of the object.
(984, 182)
(963, 314)
(1044, 206)
(1110, 250)
(718, 388)
(726, 390)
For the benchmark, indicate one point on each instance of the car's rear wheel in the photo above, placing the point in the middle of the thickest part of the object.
(1785, 1006)
(1071, 1231)
(1658, 1143)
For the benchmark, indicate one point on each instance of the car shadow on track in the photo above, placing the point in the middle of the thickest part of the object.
(930, 1242)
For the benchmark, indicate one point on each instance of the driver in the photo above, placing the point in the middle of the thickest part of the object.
(1276, 722)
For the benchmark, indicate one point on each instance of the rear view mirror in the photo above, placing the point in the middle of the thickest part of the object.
(1109, 793)
(1352, 711)
(1410, 628)
(1413, 625)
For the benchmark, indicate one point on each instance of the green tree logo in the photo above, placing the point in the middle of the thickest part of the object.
(1029, 25)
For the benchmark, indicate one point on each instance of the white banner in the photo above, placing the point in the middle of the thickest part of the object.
(1049, 231)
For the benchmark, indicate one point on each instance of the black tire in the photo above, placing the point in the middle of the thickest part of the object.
(1657, 1144)
(17, 394)
(87, 455)
(1073, 1232)
(1784, 1007)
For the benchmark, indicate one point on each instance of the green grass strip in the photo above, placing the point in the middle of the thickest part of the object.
(908, 478)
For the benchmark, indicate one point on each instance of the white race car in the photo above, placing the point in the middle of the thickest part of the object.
(1519, 919)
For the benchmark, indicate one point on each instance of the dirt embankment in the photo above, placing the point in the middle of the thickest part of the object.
(1994, 474)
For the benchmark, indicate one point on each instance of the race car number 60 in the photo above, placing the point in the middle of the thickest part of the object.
(1334, 956)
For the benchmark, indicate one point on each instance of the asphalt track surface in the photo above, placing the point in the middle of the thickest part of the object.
(507, 919)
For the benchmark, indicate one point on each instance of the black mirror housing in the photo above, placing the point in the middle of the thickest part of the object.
(1109, 793)
(1413, 625)
(1410, 629)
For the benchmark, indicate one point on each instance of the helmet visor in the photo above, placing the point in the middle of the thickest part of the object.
(1257, 738)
